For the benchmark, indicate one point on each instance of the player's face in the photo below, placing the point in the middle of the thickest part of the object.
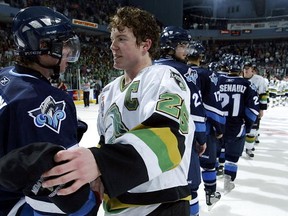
(181, 51)
(65, 58)
(247, 72)
(50, 61)
(126, 53)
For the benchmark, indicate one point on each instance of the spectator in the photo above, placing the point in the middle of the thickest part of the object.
(86, 92)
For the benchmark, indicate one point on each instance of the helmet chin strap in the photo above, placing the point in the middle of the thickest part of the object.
(55, 68)
(56, 74)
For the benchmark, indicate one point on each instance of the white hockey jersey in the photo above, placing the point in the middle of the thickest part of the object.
(261, 88)
(148, 137)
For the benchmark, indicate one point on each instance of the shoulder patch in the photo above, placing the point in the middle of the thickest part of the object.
(191, 76)
(178, 79)
(49, 114)
(4, 80)
(214, 79)
(253, 86)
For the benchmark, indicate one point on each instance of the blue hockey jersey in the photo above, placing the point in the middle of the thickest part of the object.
(207, 82)
(31, 110)
(240, 104)
(196, 105)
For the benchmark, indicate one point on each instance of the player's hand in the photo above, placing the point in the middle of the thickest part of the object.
(261, 113)
(98, 186)
(200, 148)
(79, 166)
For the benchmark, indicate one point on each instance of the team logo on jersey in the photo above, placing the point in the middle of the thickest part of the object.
(49, 114)
(253, 86)
(214, 78)
(178, 79)
(191, 75)
(114, 126)
(4, 80)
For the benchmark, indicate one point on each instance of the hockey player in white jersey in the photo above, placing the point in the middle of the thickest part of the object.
(261, 87)
(146, 134)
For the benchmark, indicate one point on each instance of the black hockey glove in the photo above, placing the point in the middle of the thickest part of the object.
(81, 129)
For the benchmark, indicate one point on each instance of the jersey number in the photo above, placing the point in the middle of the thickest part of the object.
(173, 105)
(197, 100)
(236, 100)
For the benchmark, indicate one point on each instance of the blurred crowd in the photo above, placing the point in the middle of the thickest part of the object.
(270, 56)
(96, 61)
(90, 10)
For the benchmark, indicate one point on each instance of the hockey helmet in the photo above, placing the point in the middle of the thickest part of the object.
(171, 36)
(224, 62)
(235, 63)
(195, 49)
(37, 24)
(213, 66)
(247, 64)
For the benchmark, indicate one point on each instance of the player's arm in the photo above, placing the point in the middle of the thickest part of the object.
(263, 97)
(143, 153)
(251, 107)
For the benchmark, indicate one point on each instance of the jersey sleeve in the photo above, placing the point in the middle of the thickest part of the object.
(263, 96)
(198, 114)
(251, 107)
(215, 116)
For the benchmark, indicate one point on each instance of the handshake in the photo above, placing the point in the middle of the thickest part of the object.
(21, 171)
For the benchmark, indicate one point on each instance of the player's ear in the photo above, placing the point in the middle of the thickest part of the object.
(146, 44)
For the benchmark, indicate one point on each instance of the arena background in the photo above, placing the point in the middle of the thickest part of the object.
(255, 29)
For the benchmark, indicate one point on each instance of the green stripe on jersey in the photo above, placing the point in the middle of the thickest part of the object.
(163, 143)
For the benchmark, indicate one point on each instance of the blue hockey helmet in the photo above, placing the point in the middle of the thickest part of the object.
(171, 36)
(248, 63)
(235, 63)
(196, 49)
(224, 61)
(213, 66)
(33, 26)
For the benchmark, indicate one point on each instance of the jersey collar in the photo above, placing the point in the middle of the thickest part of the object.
(25, 70)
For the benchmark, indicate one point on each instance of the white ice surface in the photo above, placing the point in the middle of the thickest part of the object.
(261, 184)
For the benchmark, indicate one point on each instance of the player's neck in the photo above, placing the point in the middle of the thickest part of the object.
(132, 72)
(194, 62)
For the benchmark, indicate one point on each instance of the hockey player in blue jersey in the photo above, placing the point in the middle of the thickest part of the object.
(174, 43)
(207, 82)
(219, 69)
(241, 107)
(33, 111)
